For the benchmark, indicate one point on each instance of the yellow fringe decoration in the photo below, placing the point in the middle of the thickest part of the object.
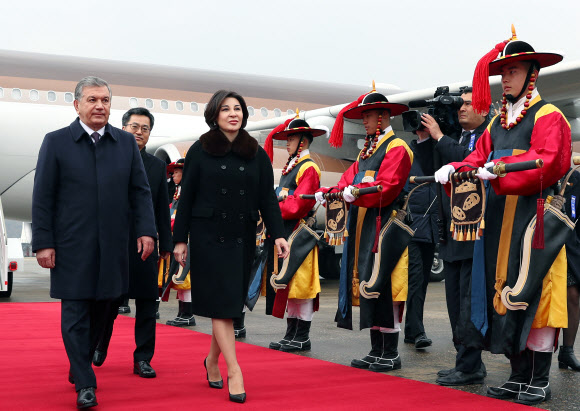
(452, 226)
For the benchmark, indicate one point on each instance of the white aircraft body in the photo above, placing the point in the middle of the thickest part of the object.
(36, 97)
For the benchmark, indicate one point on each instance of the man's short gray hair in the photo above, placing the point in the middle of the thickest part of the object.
(90, 81)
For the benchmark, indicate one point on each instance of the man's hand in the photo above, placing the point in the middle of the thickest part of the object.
(282, 247)
(319, 195)
(180, 253)
(45, 257)
(442, 175)
(431, 125)
(347, 194)
(483, 174)
(146, 245)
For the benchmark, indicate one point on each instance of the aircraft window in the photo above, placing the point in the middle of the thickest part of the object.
(277, 112)
(194, 107)
(133, 102)
(34, 95)
(149, 103)
(164, 104)
(16, 94)
(179, 105)
(290, 111)
(1, 92)
(264, 112)
(251, 111)
(68, 97)
(51, 96)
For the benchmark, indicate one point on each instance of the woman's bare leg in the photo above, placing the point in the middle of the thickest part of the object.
(223, 332)
(213, 370)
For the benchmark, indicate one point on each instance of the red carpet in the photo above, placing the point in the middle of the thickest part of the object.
(34, 369)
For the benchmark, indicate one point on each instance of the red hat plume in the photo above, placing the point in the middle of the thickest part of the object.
(269, 143)
(337, 131)
(481, 99)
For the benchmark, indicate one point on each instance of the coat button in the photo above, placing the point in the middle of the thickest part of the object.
(241, 216)
(224, 191)
(224, 166)
(242, 168)
(240, 241)
(222, 239)
(224, 216)
(242, 192)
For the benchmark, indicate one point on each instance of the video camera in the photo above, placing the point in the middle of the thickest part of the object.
(442, 107)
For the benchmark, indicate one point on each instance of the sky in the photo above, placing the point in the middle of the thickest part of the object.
(411, 44)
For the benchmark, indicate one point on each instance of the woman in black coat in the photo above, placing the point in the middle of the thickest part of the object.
(227, 181)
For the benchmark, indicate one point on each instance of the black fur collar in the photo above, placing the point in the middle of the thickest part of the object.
(217, 144)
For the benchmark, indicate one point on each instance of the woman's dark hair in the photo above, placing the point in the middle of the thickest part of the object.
(212, 109)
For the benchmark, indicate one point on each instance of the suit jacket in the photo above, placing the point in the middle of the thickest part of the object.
(143, 274)
(82, 200)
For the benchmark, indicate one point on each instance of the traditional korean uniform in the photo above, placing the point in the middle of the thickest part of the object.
(528, 128)
(301, 175)
(385, 160)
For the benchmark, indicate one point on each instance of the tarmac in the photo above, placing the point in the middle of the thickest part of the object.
(329, 343)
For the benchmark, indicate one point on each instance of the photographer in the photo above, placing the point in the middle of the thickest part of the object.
(423, 210)
(457, 256)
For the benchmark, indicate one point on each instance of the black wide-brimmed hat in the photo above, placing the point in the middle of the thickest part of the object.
(297, 125)
(517, 50)
(375, 101)
(490, 64)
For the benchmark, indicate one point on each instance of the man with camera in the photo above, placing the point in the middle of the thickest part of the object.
(423, 213)
(457, 255)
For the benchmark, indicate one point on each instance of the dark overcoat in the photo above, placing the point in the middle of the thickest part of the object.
(143, 274)
(448, 150)
(224, 187)
(82, 198)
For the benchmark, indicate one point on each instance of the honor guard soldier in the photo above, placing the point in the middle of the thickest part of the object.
(385, 160)
(300, 175)
(528, 128)
(184, 316)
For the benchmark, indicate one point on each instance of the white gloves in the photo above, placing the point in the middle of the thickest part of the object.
(442, 175)
(483, 174)
(347, 194)
(320, 197)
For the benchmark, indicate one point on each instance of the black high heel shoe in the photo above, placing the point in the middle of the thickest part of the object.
(212, 384)
(239, 398)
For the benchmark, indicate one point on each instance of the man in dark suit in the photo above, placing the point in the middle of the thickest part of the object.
(457, 256)
(143, 274)
(89, 177)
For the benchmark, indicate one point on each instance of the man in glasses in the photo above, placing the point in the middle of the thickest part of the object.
(143, 274)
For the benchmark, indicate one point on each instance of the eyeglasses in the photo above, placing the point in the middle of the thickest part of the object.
(135, 127)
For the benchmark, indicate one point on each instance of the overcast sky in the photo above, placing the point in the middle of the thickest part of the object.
(411, 44)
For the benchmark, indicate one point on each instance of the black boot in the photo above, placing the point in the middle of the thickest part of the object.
(566, 358)
(519, 377)
(301, 340)
(390, 359)
(184, 316)
(179, 314)
(538, 390)
(124, 307)
(157, 309)
(290, 332)
(239, 326)
(375, 353)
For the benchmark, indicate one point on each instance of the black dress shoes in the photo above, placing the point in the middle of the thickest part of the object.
(212, 384)
(239, 398)
(461, 378)
(421, 341)
(144, 369)
(86, 398)
(99, 357)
